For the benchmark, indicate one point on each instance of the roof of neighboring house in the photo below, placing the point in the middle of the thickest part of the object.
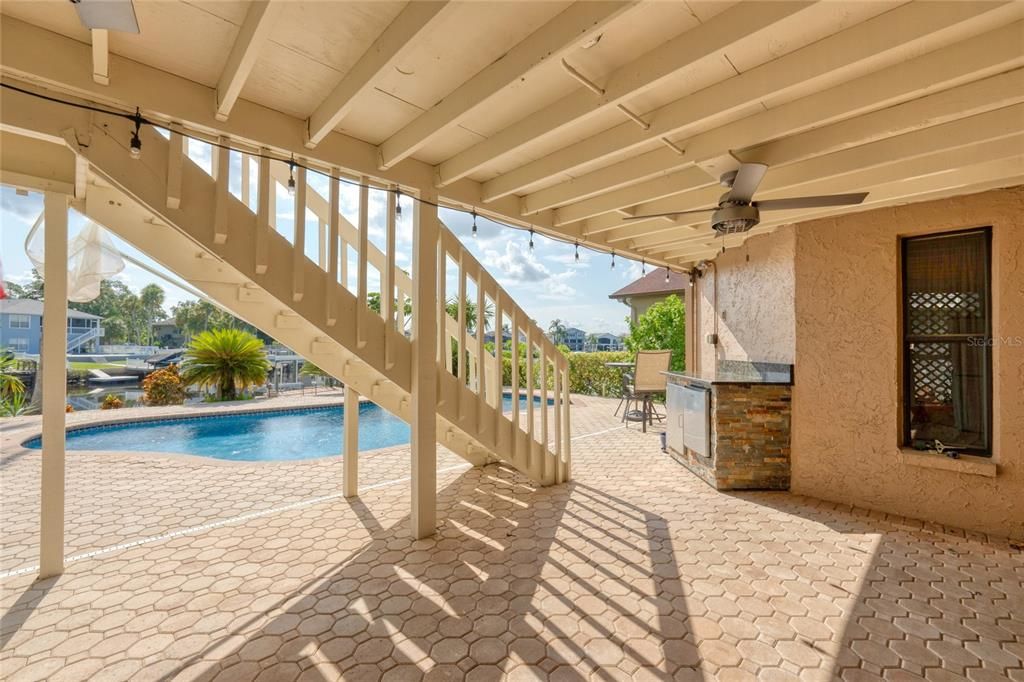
(30, 306)
(653, 283)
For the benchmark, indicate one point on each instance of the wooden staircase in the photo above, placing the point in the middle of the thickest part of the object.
(227, 244)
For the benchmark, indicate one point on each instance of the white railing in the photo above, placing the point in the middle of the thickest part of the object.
(471, 377)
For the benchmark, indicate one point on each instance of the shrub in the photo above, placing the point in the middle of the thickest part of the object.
(589, 376)
(662, 327)
(111, 402)
(68, 409)
(163, 387)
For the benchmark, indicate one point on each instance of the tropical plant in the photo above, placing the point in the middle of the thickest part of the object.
(195, 317)
(163, 387)
(111, 402)
(227, 360)
(558, 332)
(9, 382)
(14, 404)
(662, 327)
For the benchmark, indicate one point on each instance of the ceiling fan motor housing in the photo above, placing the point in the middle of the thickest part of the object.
(735, 219)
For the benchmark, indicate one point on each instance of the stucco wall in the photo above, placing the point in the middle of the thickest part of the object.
(846, 406)
(755, 302)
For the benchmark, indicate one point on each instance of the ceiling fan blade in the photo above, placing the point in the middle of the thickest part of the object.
(812, 202)
(669, 215)
(112, 15)
(747, 179)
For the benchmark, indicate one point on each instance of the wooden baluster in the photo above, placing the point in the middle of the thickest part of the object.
(545, 464)
(481, 325)
(515, 379)
(221, 173)
(175, 159)
(343, 251)
(557, 418)
(529, 395)
(387, 297)
(461, 345)
(444, 356)
(364, 221)
(299, 240)
(321, 247)
(334, 222)
(566, 425)
(497, 363)
(263, 215)
(246, 176)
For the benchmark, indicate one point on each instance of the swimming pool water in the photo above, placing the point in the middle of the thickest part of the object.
(273, 435)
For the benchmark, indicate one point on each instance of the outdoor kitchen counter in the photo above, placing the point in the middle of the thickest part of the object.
(731, 426)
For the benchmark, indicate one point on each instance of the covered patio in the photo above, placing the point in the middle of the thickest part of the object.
(635, 570)
(795, 162)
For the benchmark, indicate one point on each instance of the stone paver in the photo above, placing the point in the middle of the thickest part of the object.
(635, 570)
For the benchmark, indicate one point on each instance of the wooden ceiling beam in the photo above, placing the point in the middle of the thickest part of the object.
(251, 36)
(551, 41)
(654, 68)
(880, 42)
(414, 20)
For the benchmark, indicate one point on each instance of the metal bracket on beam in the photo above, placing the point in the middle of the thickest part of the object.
(586, 82)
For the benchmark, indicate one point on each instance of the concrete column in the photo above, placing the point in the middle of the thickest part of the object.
(424, 367)
(54, 358)
(350, 472)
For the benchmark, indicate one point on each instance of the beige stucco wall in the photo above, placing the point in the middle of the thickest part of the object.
(755, 302)
(846, 403)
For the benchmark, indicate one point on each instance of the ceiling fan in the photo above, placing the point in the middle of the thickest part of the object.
(738, 212)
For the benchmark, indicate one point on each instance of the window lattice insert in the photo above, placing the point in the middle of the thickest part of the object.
(943, 312)
(932, 369)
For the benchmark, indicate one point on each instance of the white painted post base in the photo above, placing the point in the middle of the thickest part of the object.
(54, 355)
(350, 472)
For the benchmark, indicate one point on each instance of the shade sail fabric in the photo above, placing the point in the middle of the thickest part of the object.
(92, 258)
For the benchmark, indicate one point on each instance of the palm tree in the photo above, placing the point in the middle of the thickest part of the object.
(558, 331)
(230, 360)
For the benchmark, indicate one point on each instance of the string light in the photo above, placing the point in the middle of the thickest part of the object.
(474, 223)
(135, 148)
(667, 275)
(577, 245)
(643, 267)
(136, 151)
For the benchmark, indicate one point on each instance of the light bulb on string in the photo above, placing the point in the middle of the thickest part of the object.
(667, 275)
(135, 147)
(398, 204)
(643, 267)
(531, 240)
(291, 177)
(613, 260)
(474, 222)
(577, 256)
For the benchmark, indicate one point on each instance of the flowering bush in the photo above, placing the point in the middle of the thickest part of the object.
(111, 402)
(164, 387)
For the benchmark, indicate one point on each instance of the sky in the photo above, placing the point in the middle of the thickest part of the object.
(547, 283)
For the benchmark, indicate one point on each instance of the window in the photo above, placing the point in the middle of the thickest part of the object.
(19, 322)
(18, 344)
(947, 367)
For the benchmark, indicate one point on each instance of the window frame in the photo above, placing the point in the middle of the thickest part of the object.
(906, 381)
(19, 316)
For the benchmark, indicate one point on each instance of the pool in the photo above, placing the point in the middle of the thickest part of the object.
(271, 435)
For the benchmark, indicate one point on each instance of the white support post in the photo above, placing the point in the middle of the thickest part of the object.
(299, 241)
(350, 470)
(545, 465)
(461, 345)
(264, 207)
(364, 247)
(515, 380)
(444, 354)
(334, 226)
(556, 394)
(566, 464)
(424, 368)
(481, 324)
(54, 358)
(530, 386)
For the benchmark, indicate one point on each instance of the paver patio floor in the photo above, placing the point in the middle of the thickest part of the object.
(635, 570)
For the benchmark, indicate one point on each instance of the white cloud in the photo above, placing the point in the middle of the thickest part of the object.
(516, 264)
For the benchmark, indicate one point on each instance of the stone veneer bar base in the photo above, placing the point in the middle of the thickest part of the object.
(750, 438)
